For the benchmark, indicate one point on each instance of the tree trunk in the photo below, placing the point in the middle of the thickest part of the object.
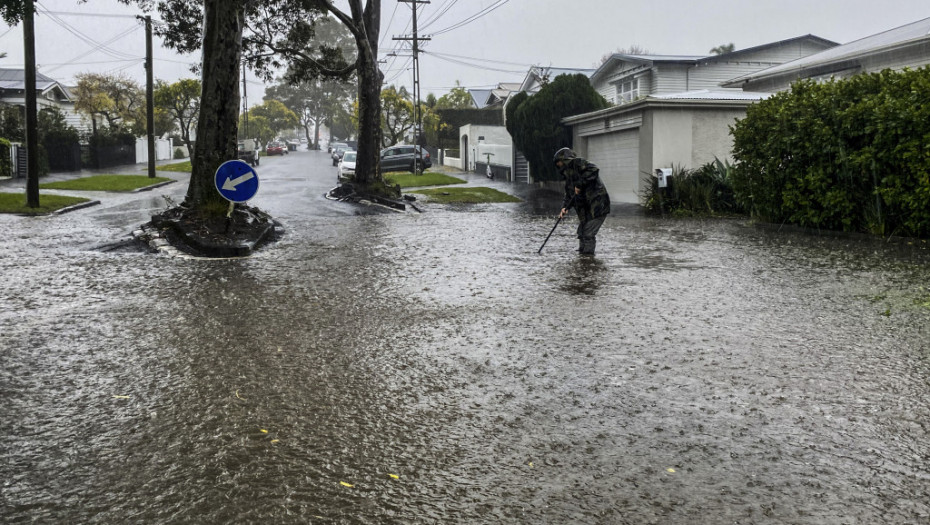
(367, 167)
(218, 124)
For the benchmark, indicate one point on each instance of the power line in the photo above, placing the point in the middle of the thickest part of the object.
(99, 47)
(479, 59)
(441, 11)
(472, 18)
(95, 15)
(476, 66)
(384, 33)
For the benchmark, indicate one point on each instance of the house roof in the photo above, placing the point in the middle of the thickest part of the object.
(706, 94)
(916, 32)
(695, 59)
(15, 79)
(480, 97)
(536, 73)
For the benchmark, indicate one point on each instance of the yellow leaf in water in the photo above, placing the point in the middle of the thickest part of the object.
(275, 440)
(237, 395)
(264, 431)
(344, 484)
(670, 470)
(395, 476)
(120, 397)
(531, 464)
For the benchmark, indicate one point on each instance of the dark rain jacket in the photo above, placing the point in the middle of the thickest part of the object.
(593, 201)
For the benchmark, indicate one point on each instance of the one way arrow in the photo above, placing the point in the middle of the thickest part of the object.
(230, 184)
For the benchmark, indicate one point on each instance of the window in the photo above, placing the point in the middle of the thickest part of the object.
(629, 90)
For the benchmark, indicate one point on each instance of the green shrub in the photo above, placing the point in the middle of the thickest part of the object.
(849, 155)
(6, 162)
(702, 191)
(179, 154)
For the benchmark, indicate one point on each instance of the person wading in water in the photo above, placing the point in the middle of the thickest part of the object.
(585, 192)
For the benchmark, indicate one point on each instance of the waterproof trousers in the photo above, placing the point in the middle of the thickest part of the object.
(587, 231)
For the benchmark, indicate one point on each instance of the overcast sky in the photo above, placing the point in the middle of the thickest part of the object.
(498, 45)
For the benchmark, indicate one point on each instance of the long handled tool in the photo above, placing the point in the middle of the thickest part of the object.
(550, 234)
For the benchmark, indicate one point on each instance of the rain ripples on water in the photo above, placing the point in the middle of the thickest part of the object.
(433, 368)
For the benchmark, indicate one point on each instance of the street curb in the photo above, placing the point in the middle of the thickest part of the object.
(155, 240)
(75, 207)
(153, 186)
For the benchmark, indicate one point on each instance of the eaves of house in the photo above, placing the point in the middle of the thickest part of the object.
(845, 57)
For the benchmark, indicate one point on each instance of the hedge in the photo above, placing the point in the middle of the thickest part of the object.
(851, 154)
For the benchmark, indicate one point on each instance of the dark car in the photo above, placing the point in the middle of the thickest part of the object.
(339, 149)
(275, 148)
(400, 158)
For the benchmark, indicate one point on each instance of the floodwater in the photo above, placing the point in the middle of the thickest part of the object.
(379, 368)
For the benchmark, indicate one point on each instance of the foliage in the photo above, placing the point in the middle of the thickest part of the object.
(703, 191)
(12, 123)
(537, 122)
(116, 99)
(847, 155)
(6, 163)
(58, 141)
(457, 98)
(469, 195)
(275, 116)
(410, 180)
(268, 36)
(723, 49)
(396, 115)
(179, 154)
(180, 102)
(16, 203)
(105, 183)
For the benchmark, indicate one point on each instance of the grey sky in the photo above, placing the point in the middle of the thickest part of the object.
(499, 46)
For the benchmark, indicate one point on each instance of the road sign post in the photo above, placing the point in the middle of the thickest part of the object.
(236, 181)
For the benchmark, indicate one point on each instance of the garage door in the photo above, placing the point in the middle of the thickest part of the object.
(617, 156)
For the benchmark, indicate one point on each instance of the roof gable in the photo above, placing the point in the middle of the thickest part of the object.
(915, 32)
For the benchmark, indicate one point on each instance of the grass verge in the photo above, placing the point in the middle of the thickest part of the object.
(177, 166)
(409, 180)
(105, 183)
(467, 195)
(16, 203)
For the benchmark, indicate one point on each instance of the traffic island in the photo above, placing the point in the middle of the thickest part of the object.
(204, 235)
(383, 196)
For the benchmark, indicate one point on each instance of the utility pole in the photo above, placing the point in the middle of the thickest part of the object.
(417, 117)
(245, 104)
(149, 96)
(32, 123)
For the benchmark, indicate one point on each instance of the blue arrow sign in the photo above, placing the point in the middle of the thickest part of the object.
(236, 181)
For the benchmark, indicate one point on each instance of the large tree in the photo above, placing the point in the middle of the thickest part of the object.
(279, 117)
(536, 123)
(396, 114)
(116, 100)
(313, 101)
(267, 35)
(181, 102)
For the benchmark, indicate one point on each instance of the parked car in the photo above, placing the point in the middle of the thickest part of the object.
(275, 148)
(339, 148)
(400, 158)
(346, 170)
(248, 152)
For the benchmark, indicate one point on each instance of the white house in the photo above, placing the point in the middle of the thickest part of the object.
(671, 110)
(905, 46)
(49, 93)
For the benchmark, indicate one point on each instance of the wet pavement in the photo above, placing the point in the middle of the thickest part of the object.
(375, 367)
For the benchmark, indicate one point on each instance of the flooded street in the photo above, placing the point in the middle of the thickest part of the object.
(433, 368)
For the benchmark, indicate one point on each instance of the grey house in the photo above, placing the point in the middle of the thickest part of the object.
(905, 46)
(49, 93)
(671, 110)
